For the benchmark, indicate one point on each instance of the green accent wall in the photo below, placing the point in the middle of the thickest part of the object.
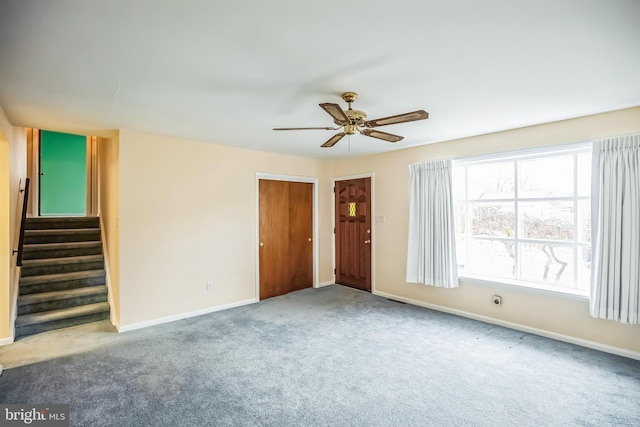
(63, 187)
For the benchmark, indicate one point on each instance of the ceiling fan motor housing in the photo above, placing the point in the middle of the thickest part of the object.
(356, 118)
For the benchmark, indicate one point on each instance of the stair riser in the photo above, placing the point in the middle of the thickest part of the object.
(93, 236)
(22, 331)
(63, 303)
(61, 286)
(60, 253)
(61, 268)
(57, 223)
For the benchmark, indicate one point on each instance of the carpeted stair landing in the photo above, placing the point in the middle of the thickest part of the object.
(62, 280)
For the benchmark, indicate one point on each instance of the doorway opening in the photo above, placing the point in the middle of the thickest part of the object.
(63, 172)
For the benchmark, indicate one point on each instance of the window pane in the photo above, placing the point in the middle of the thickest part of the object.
(461, 253)
(584, 221)
(547, 263)
(491, 258)
(492, 219)
(584, 268)
(547, 220)
(460, 216)
(546, 177)
(458, 182)
(584, 174)
(491, 181)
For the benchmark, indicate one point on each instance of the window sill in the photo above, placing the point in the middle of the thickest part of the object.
(538, 289)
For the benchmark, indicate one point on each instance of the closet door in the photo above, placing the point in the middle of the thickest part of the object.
(274, 249)
(286, 246)
(300, 235)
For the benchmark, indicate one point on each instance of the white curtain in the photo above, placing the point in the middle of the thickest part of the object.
(431, 257)
(615, 270)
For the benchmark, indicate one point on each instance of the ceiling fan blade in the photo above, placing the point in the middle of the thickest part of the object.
(400, 118)
(336, 112)
(333, 140)
(319, 128)
(381, 135)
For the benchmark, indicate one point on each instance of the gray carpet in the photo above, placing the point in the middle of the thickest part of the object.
(333, 357)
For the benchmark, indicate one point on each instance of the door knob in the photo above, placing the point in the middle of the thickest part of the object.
(261, 244)
(367, 241)
(309, 238)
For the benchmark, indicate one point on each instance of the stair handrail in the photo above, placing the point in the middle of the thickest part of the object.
(23, 221)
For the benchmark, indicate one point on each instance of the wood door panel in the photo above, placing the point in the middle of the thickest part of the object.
(274, 251)
(353, 233)
(300, 235)
(353, 248)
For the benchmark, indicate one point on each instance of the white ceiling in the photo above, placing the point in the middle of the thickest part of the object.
(228, 72)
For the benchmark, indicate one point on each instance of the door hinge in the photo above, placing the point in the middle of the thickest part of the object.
(334, 189)
(334, 271)
(334, 230)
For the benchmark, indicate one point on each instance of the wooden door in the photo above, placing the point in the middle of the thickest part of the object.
(286, 244)
(353, 233)
(274, 249)
(300, 235)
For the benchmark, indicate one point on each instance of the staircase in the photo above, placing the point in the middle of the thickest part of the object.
(62, 280)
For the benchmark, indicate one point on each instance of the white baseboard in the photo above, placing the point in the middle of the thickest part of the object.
(6, 341)
(147, 323)
(547, 334)
(323, 284)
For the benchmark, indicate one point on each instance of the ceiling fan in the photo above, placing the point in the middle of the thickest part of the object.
(352, 121)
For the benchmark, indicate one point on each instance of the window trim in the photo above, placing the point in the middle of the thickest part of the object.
(515, 156)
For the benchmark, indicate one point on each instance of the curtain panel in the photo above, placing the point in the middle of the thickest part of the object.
(615, 269)
(431, 258)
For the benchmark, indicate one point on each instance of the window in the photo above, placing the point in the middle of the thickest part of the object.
(524, 218)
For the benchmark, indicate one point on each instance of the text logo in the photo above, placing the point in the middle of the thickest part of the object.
(34, 415)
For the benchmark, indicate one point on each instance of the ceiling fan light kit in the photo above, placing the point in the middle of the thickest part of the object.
(352, 121)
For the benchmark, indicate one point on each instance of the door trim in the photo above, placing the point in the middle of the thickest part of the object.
(314, 220)
(373, 222)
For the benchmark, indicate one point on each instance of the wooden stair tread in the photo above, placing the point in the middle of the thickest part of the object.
(61, 295)
(65, 313)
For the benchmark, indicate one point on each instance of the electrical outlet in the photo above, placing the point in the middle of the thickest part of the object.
(209, 286)
(497, 300)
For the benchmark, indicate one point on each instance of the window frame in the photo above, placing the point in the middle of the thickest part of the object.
(514, 157)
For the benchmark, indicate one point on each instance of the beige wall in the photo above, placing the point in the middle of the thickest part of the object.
(108, 173)
(188, 216)
(12, 177)
(549, 313)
